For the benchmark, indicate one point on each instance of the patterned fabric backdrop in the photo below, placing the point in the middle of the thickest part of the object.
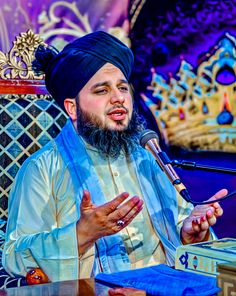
(61, 21)
(27, 123)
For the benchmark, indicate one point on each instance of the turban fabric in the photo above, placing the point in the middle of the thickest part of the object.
(68, 71)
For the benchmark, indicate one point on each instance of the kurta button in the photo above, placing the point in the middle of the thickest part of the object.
(116, 174)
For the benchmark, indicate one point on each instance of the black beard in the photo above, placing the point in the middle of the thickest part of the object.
(109, 142)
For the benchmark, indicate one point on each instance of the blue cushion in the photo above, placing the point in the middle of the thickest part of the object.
(8, 281)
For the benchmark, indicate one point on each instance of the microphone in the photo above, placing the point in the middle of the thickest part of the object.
(149, 140)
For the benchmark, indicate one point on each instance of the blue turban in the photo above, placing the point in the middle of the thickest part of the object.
(68, 71)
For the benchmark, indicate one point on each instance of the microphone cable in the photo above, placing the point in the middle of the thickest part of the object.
(213, 201)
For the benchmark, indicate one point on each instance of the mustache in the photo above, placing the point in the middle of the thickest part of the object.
(117, 107)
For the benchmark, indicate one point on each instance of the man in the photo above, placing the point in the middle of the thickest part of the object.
(93, 200)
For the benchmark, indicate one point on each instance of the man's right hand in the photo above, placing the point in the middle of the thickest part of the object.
(98, 221)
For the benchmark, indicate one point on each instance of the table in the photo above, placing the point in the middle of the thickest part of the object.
(83, 287)
(73, 288)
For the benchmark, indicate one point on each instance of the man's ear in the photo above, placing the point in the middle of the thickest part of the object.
(70, 106)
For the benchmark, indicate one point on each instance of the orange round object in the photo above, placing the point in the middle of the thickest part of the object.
(36, 276)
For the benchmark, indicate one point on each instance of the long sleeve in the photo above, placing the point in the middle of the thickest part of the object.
(41, 229)
(184, 210)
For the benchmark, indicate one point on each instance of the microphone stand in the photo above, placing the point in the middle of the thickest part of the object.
(191, 165)
(149, 141)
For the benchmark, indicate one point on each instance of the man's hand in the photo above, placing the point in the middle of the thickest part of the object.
(196, 227)
(126, 292)
(98, 221)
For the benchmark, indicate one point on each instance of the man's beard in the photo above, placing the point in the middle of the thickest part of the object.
(107, 141)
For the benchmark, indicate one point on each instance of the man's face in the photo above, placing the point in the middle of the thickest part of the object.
(106, 99)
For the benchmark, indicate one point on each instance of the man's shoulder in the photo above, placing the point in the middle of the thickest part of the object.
(48, 149)
(46, 155)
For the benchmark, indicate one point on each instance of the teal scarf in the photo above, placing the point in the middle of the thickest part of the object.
(159, 196)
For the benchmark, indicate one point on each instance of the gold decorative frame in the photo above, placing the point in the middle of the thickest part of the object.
(16, 64)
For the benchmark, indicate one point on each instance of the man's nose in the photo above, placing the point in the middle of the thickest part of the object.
(117, 97)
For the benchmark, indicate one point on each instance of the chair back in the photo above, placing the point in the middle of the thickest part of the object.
(29, 116)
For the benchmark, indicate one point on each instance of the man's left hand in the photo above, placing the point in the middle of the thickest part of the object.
(196, 227)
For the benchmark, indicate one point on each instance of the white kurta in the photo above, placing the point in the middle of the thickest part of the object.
(42, 219)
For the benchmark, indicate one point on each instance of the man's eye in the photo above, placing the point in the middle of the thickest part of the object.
(124, 88)
(101, 91)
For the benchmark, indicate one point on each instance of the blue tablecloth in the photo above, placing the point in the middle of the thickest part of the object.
(163, 280)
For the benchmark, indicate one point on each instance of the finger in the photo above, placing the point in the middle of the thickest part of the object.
(214, 206)
(221, 193)
(132, 204)
(111, 206)
(201, 210)
(200, 227)
(211, 218)
(204, 223)
(196, 226)
(218, 209)
(131, 215)
(113, 292)
(126, 292)
(86, 202)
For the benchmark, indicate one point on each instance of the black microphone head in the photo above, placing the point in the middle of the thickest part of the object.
(146, 136)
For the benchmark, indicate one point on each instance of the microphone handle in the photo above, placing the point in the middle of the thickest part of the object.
(164, 163)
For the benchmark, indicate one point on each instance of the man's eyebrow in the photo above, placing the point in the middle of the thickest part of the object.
(124, 81)
(105, 83)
